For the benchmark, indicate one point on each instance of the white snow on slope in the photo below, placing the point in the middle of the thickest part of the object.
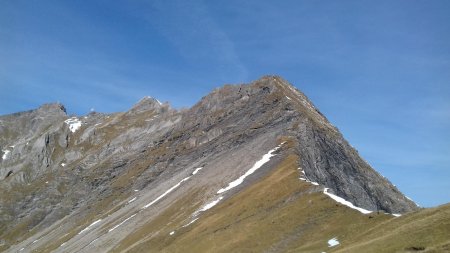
(172, 233)
(235, 183)
(305, 178)
(131, 200)
(89, 227)
(196, 170)
(74, 124)
(308, 181)
(210, 204)
(171, 189)
(5, 154)
(333, 242)
(165, 193)
(345, 202)
(192, 221)
(256, 166)
(120, 224)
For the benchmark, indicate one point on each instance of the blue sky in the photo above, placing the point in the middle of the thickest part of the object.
(379, 70)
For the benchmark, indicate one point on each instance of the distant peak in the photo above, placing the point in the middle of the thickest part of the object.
(274, 80)
(145, 104)
(53, 107)
(148, 99)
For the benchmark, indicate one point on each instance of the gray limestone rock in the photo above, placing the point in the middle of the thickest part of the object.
(58, 169)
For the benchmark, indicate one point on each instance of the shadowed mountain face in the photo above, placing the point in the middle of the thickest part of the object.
(112, 182)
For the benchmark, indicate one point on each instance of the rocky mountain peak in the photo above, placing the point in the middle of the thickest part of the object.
(57, 108)
(147, 103)
(269, 94)
(57, 167)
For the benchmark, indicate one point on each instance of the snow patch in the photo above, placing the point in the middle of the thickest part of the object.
(120, 224)
(74, 124)
(302, 170)
(197, 170)
(333, 242)
(165, 193)
(210, 204)
(171, 233)
(396, 214)
(131, 200)
(89, 227)
(288, 97)
(256, 166)
(171, 189)
(63, 164)
(136, 190)
(192, 221)
(308, 181)
(345, 202)
(5, 154)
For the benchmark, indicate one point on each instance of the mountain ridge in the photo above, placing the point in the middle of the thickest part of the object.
(91, 166)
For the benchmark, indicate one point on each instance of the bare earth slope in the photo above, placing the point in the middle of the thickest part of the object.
(158, 179)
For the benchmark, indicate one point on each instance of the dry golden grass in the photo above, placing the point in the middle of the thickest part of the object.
(279, 213)
(282, 214)
(426, 230)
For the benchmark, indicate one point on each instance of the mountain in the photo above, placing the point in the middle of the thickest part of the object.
(249, 168)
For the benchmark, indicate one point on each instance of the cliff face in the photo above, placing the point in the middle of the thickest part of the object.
(272, 103)
(60, 174)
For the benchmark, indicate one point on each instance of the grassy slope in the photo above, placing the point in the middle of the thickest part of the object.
(427, 230)
(283, 214)
(279, 213)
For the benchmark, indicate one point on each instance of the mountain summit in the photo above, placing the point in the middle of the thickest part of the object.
(257, 161)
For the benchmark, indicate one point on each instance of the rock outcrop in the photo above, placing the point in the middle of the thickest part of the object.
(57, 171)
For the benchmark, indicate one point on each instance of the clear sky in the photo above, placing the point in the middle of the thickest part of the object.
(379, 70)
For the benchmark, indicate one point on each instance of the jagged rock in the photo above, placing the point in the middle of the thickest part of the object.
(106, 157)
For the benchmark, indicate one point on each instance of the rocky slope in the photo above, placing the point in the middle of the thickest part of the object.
(117, 182)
